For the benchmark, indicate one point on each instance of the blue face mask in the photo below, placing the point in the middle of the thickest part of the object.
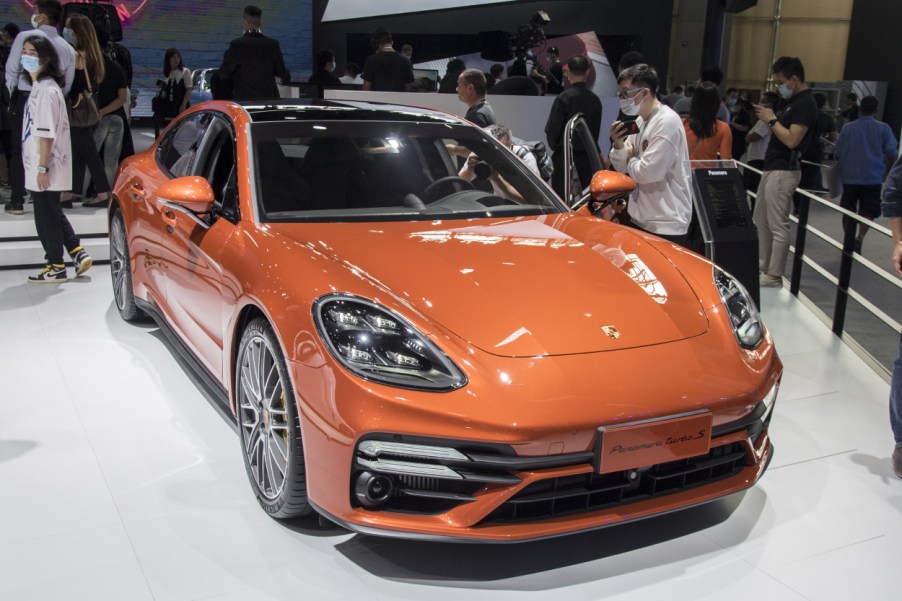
(784, 91)
(32, 64)
(69, 35)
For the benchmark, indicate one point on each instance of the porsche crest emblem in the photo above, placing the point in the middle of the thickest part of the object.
(611, 332)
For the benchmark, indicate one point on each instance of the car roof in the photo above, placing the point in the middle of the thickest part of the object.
(315, 109)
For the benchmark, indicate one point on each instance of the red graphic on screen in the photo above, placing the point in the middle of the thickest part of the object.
(127, 9)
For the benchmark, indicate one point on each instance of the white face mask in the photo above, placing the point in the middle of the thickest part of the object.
(629, 106)
(34, 21)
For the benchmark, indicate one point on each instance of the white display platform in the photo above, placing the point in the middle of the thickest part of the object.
(19, 244)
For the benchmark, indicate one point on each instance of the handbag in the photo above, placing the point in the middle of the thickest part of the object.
(84, 111)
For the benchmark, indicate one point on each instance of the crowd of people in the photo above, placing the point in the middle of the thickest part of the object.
(653, 138)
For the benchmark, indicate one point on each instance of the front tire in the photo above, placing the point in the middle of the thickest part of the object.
(121, 271)
(268, 424)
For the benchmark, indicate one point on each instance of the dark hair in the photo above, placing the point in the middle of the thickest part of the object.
(690, 90)
(455, 65)
(381, 36)
(476, 78)
(253, 16)
(407, 47)
(678, 90)
(630, 59)
(51, 9)
(47, 55)
(731, 90)
(578, 64)
(869, 105)
(12, 30)
(323, 58)
(643, 75)
(713, 74)
(819, 99)
(852, 96)
(353, 69)
(496, 69)
(170, 52)
(703, 110)
(789, 66)
(553, 51)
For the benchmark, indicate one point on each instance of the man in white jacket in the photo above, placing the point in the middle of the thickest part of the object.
(656, 157)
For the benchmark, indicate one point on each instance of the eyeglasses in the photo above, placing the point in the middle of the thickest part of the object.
(626, 93)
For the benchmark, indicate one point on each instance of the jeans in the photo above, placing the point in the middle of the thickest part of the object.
(895, 398)
(108, 138)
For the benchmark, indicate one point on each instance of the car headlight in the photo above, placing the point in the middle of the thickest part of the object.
(377, 344)
(741, 309)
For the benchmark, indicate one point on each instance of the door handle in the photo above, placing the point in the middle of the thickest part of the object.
(168, 216)
(137, 192)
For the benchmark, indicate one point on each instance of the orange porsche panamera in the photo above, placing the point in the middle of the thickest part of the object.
(411, 352)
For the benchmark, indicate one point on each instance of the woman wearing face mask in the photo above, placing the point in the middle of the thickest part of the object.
(89, 72)
(325, 65)
(47, 158)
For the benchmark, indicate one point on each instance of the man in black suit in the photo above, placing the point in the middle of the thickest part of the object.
(578, 98)
(252, 63)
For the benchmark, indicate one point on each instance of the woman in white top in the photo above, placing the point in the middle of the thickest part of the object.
(47, 158)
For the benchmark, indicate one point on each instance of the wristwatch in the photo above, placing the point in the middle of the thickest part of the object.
(772, 122)
(42, 169)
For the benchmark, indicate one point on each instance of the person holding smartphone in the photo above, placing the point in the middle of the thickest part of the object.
(656, 157)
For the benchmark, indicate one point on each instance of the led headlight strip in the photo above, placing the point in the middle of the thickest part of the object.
(377, 344)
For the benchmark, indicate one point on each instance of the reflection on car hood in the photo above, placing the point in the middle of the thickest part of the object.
(531, 286)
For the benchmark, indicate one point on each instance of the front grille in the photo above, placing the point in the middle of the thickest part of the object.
(582, 493)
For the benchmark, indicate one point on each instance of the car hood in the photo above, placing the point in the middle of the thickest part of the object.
(522, 287)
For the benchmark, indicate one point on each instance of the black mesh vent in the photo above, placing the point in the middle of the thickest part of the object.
(583, 493)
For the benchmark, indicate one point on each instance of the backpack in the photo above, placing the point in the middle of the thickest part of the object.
(543, 161)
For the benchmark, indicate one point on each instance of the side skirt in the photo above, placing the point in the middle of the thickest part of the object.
(202, 376)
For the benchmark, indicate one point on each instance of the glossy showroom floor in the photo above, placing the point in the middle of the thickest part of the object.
(120, 481)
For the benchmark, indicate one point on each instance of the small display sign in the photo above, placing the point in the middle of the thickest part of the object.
(645, 443)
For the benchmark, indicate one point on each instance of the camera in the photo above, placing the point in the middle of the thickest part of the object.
(482, 170)
(503, 46)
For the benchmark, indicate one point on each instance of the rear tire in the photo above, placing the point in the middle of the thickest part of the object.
(268, 424)
(121, 271)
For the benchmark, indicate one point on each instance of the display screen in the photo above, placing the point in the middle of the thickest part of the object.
(725, 199)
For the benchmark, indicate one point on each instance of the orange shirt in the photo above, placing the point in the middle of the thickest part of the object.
(706, 149)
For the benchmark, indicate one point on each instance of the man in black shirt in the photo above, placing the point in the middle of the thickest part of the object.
(471, 91)
(386, 71)
(791, 132)
(252, 63)
(555, 85)
(578, 98)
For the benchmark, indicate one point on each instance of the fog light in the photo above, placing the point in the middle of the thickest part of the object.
(372, 490)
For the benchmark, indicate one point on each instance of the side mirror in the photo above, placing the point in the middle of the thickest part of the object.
(607, 187)
(189, 195)
(608, 184)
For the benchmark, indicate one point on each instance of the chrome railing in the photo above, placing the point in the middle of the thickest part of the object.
(850, 259)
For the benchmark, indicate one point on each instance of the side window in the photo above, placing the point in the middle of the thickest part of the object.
(177, 150)
(216, 162)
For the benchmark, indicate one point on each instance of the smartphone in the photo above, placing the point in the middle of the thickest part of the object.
(631, 127)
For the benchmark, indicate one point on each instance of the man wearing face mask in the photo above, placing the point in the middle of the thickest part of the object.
(790, 133)
(325, 65)
(656, 157)
(46, 17)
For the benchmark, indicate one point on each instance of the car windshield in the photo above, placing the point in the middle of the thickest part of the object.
(387, 170)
